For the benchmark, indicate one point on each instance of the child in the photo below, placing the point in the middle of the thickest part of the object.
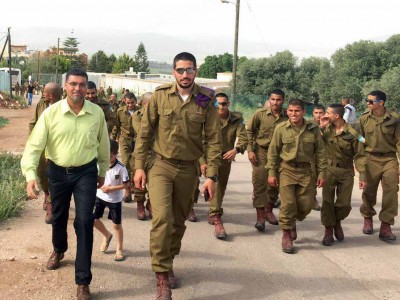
(110, 195)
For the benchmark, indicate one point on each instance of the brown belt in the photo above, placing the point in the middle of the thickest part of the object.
(381, 154)
(341, 165)
(293, 164)
(176, 161)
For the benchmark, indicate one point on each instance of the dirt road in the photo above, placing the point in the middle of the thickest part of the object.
(249, 265)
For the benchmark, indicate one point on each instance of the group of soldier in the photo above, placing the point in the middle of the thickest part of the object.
(183, 131)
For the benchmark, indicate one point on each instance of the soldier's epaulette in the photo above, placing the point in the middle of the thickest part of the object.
(282, 124)
(311, 124)
(237, 114)
(120, 108)
(204, 96)
(164, 86)
(353, 132)
(207, 92)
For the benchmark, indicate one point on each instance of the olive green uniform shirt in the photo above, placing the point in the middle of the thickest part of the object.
(342, 148)
(108, 114)
(40, 107)
(261, 127)
(297, 145)
(382, 134)
(123, 125)
(177, 127)
(70, 140)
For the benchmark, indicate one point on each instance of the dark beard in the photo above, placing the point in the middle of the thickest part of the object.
(185, 87)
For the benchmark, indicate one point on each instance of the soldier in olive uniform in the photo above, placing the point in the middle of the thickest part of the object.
(140, 195)
(259, 132)
(124, 132)
(51, 94)
(232, 127)
(91, 95)
(295, 146)
(175, 117)
(381, 129)
(101, 93)
(342, 147)
(109, 92)
(114, 102)
(17, 89)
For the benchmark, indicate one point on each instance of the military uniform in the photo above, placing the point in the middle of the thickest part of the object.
(176, 127)
(342, 148)
(290, 157)
(108, 114)
(17, 89)
(382, 142)
(260, 129)
(231, 128)
(109, 92)
(124, 130)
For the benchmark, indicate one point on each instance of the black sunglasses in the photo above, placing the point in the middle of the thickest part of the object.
(190, 70)
(372, 101)
(223, 103)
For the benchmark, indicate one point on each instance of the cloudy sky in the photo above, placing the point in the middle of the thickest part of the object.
(308, 27)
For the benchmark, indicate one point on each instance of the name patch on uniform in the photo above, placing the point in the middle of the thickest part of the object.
(117, 176)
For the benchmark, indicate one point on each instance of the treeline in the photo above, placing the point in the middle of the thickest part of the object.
(352, 71)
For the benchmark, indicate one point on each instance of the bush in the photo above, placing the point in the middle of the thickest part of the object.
(3, 122)
(12, 186)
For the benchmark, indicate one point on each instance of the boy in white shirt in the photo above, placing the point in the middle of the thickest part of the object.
(110, 195)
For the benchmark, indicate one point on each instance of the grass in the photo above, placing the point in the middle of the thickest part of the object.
(12, 186)
(3, 122)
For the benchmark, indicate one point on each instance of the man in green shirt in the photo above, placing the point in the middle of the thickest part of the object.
(74, 133)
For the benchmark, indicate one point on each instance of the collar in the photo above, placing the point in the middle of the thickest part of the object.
(174, 89)
(87, 107)
(114, 164)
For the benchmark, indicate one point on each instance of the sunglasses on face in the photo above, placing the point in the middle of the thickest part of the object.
(190, 70)
(372, 101)
(223, 104)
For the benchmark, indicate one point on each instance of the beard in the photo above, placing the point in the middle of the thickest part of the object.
(185, 86)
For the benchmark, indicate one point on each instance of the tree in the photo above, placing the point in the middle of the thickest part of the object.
(123, 63)
(214, 64)
(141, 64)
(71, 51)
(111, 61)
(99, 62)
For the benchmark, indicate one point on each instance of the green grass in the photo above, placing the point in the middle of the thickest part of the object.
(3, 122)
(12, 186)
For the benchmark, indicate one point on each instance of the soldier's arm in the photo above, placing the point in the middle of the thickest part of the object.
(34, 119)
(320, 155)
(397, 136)
(273, 153)
(252, 127)
(241, 134)
(116, 129)
(360, 159)
(213, 140)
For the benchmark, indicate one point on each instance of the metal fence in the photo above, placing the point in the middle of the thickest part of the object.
(4, 82)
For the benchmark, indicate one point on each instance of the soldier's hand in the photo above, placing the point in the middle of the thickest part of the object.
(140, 179)
(252, 157)
(100, 181)
(362, 185)
(203, 169)
(230, 155)
(273, 181)
(320, 182)
(209, 185)
(324, 121)
(32, 189)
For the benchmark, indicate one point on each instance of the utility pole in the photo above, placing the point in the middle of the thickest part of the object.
(38, 67)
(9, 60)
(58, 51)
(235, 51)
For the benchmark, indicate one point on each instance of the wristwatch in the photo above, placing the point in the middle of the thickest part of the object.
(213, 178)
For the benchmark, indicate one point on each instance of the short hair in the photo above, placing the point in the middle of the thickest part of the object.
(319, 106)
(54, 89)
(76, 72)
(114, 94)
(130, 96)
(91, 85)
(277, 92)
(297, 102)
(337, 109)
(378, 94)
(126, 91)
(184, 56)
(114, 147)
(346, 99)
(223, 95)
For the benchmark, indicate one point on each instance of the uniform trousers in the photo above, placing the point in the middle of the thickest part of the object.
(223, 175)
(339, 183)
(385, 170)
(171, 189)
(41, 174)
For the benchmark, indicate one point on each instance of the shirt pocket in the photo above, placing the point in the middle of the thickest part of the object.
(196, 122)
(166, 117)
(288, 144)
(388, 129)
(308, 144)
(91, 138)
(345, 142)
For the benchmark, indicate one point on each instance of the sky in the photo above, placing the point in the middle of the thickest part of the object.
(204, 27)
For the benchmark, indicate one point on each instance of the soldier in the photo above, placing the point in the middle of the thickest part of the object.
(91, 95)
(342, 147)
(140, 195)
(259, 132)
(101, 94)
(109, 92)
(17, 89)
(124, 132)
(381, 129)
(295, 146)
(175, 117)
(114, 102)
(232, 128)
(51, 94)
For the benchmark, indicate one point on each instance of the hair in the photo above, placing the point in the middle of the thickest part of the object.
(337, 109)
(127, 91)
(91, 85)
(114, 94)
(76, 72)
(319, 106)
(184, 56)
(346, 99)
(114, 147)
(296, 102)
(277, 92)
(378, 94)
(130, 96)
(222, 95)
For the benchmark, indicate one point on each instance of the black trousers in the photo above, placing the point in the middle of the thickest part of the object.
(82, 184)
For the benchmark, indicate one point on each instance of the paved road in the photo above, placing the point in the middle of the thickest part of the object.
(249, 265)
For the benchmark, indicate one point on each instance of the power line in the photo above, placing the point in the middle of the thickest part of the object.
(258, 27)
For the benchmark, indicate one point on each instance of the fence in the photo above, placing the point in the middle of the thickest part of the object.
(4, 82)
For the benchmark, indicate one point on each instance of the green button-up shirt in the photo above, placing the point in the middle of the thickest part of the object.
(70, 140)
